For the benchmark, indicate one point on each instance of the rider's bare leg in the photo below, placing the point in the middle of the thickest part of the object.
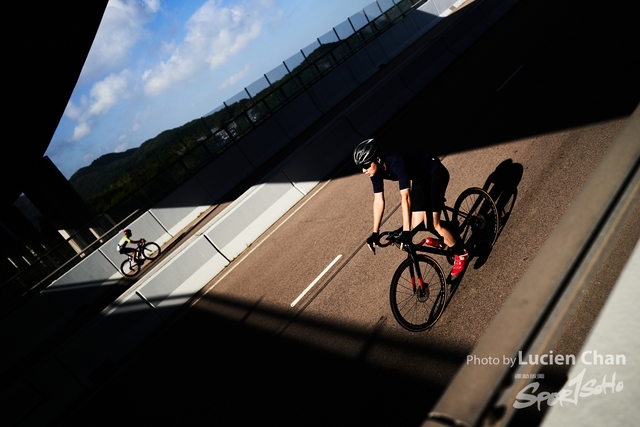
(447, 236)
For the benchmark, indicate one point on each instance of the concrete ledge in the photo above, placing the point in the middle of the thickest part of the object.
(613, 334)
(436, 8)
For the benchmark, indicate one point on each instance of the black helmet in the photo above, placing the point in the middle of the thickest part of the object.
(127, 232)
(365, 153)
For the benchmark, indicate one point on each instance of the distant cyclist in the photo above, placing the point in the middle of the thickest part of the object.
(122, 245)
(422, 181)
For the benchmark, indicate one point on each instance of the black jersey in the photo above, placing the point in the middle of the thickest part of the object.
(404, 167)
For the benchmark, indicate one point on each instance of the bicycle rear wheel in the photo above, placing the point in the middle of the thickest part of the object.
(129, 268)
(150, 251)
(415, 309)
(476, 217)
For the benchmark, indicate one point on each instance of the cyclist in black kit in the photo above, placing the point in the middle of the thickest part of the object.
(422, 181)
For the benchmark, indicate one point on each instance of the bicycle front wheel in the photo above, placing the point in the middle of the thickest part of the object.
(129, 268)
(417, 309)
(476, 217)
(150, 251)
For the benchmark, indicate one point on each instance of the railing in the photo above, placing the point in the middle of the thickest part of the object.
(201, 141)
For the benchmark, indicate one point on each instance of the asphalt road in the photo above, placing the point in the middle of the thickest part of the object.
(527, 113)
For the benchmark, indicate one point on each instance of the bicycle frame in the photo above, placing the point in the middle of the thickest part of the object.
(418, 297)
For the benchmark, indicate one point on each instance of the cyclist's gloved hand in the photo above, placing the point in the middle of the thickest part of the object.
(405, 238)
(373, 241)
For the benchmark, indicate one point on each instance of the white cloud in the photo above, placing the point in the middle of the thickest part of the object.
(214, 34)
(236, 77)
(122, 26)
(102, 97)
(104, 94)
(81, 130)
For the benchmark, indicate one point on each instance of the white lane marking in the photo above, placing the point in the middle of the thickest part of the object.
(243, 256)
(315, 281)
(510, 77)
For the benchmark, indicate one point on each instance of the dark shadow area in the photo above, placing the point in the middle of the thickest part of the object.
(502, 187)
(208, 369)
(535, 73)
(51, 44)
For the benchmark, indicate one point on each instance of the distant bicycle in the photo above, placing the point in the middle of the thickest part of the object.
(419, 292)
(144, 250)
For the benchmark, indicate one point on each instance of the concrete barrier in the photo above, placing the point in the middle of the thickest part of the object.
(224, 173)
(361, 66)
(178, 279)
(263, 142)
(379, 106)
(376, 53)
(181, 207)
(313, 162)
(297, 115)
(332, 88)
(82, 284)
(252, 214)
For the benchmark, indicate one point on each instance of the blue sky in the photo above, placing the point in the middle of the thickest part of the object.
(157, 64)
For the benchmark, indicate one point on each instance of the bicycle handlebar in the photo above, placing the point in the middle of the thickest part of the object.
(388, 238)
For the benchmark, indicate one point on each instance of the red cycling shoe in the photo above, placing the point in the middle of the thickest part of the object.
(459, 263)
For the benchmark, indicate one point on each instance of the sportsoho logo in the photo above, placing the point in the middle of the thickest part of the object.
(576, 388)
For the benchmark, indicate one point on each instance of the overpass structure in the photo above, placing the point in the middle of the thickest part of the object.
(86, 356)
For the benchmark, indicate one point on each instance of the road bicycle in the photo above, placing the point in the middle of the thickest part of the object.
(419, 291)
(145, 250)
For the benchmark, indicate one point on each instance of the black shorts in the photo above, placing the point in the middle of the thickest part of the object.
(427, 194)
(126, 251)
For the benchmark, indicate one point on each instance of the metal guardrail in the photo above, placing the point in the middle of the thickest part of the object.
(541, 304)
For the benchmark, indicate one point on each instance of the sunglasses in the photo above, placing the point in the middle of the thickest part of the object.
(366, 165)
